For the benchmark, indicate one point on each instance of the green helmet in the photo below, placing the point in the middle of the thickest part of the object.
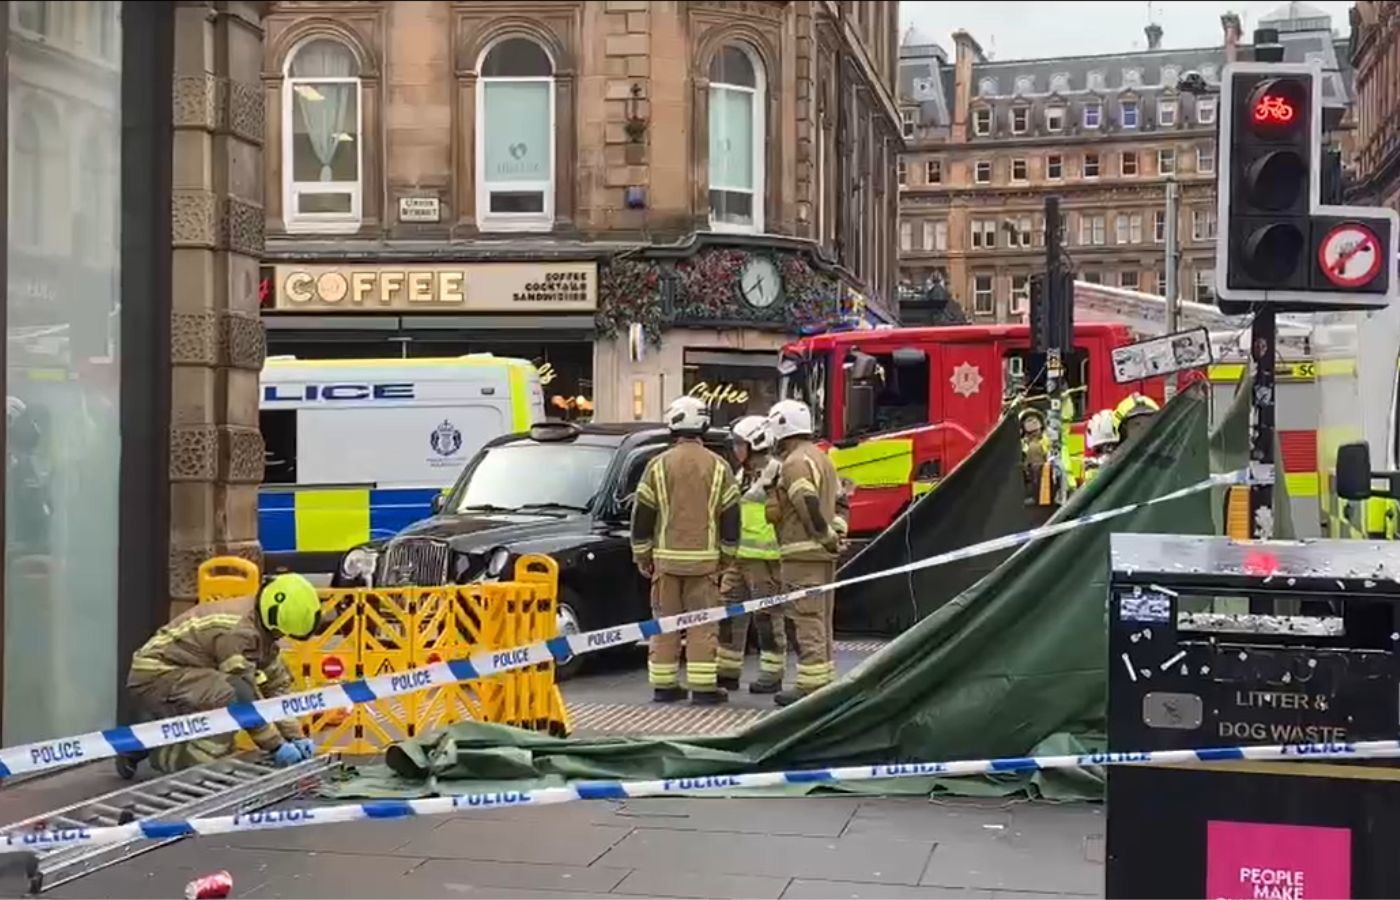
(290, 605)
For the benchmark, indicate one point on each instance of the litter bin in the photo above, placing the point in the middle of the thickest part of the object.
(1190, 667)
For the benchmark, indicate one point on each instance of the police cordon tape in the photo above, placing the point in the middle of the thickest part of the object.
(52, 754)
(165, 829)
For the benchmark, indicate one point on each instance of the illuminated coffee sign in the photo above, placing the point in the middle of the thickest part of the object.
(479, 287)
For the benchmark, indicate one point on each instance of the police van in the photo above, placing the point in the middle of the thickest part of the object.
(356, 449)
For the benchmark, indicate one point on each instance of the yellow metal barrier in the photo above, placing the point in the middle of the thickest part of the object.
(377, 631)
(227, 576)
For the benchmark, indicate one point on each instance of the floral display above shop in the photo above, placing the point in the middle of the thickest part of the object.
(723, 287)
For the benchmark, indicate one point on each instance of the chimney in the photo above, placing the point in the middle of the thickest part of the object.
(1231, 23)
(1154, 36)
(966, 52)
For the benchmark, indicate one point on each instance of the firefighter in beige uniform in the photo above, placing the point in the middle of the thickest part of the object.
(802, 505)
(755, 574)
(685, 532)
(221, 653)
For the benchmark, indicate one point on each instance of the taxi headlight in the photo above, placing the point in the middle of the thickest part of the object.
(497, 562)
(359, 563)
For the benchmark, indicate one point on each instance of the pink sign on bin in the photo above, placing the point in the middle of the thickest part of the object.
(1248, 860)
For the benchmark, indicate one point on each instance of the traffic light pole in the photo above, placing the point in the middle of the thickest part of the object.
(1262, 468)
(1054, 360)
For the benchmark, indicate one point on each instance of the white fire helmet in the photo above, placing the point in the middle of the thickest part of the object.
(789, 418)
(753, 430)
(688, 415)
(1102, 433)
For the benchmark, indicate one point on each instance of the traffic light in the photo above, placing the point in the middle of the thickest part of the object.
(1052, 318)
(1276, 243)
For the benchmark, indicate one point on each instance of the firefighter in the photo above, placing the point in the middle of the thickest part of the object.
(218, 654)
(756, 572)
(1101, 437)
(1133, 414)
(685, 532)
(1035, 457)
(803, 504)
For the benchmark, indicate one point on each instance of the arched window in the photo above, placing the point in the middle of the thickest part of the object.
(737, 140)
(38, 188)
(323, 156)
(515, 137)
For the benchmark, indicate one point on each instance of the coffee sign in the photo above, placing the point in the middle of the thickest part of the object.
(477, 287)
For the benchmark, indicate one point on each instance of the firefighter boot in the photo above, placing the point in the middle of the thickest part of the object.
(709, 698)
(728, 682)
(669, 694)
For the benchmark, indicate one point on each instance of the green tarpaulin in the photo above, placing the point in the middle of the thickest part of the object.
(1014, 665)
(981, 499)
(1229, 452)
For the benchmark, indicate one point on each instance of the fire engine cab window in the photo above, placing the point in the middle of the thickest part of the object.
(901, 396)
(1024, 372)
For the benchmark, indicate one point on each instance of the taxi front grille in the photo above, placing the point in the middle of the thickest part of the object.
(414, 561)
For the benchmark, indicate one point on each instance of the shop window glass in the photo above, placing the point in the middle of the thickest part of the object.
(323, 146)
(736, 141)
(63, 372)
(734, 383)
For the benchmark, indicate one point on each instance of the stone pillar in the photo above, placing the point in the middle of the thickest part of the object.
(217, 337)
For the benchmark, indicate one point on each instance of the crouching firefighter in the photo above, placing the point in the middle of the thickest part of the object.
(685, 532)
(803, 495)
(755, 573)
(218, 654)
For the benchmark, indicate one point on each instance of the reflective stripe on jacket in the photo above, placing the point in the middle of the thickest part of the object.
(804, 505)
(686, 516)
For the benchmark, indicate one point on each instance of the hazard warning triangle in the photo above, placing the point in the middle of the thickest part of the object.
(385, 668)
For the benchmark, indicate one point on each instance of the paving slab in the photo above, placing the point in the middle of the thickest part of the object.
(508, 841)
(665, 883)
(807, 816)
(918, 818)
(1003, 865)
(855, 859)
(385, 837)
(478, 874)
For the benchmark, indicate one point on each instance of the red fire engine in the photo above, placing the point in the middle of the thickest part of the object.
(936, 393)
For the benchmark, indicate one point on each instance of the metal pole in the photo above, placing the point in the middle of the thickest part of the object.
(1054, 364)
(1173, 266)
(1261, 432)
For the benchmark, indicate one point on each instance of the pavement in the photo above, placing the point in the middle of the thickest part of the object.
(819, 847)
(812, 847)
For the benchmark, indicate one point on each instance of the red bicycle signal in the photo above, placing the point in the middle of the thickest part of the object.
(1274, 109)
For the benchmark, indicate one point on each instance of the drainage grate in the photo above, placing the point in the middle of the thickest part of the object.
(657, 719)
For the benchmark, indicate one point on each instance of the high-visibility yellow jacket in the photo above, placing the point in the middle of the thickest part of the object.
(803, 505)
(757, 537)
(686, 517)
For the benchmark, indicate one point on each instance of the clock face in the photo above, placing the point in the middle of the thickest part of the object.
(760, 282)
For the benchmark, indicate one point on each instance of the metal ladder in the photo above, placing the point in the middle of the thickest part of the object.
(233, 785)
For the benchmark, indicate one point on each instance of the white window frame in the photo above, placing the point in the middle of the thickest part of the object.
(1159, 226)
(1202, 155)
(1025, 169)
(1205, 286)
(1098, 164)
(1123, 164)
(907, 122)
(1025, 114)
(1129, 279)
(517, 222)
(1059, 112)
(1122, 229)
(902, 173)
(1098, 115)
(1024, 231)
(977, 171)
(1166, 153)
(1020, 296)
(1135, 228)
(1163, 108)
(984, 234)
(933, 166)
(906, 236)
(940, 236)
(990, 293)
(1061, 158)
(1203, 215)
(977, 120)
(320, 223)
(1123, 109)
(1205, 110)
(1161, 283)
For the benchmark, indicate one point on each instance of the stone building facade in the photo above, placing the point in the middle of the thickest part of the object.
(988, 140)
(672, 152)
(1375, 53)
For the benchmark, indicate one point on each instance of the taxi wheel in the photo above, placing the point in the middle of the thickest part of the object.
(567, 615)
